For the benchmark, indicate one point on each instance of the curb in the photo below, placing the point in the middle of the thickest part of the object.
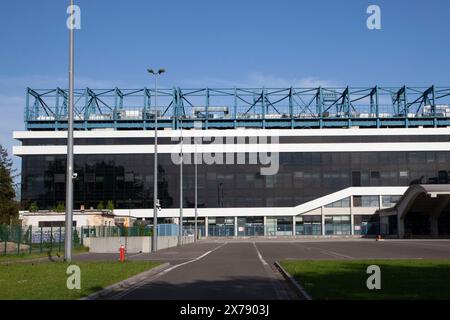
(292, 281)
(126, 284)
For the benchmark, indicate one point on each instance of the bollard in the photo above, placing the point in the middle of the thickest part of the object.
(122, 253)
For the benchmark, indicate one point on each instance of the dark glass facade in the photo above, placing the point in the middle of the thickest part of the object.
(128, 179)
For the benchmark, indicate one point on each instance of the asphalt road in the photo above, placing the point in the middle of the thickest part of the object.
(243, 269)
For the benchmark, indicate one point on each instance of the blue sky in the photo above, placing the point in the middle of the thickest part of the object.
(219, 43)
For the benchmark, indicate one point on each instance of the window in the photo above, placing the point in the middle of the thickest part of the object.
(54, 224)
(344, 203)
(302, 177)
(374, 175)
(366, 201)
(390, 201)
(308, 225)
(367, 224)
(356, 179)
(337, 225)
(60, 177)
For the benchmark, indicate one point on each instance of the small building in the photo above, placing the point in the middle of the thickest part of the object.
(46, 218)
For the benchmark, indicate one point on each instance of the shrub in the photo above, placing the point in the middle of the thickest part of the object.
(33, 207)
(110, 205)
(60, 207)
(100, 206)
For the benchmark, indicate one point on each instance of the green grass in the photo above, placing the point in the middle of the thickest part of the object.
(47, 280)
(25, 255)
(400, 279)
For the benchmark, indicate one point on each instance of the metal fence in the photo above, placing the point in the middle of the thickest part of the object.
(114, 231)
(16, 239)
(139, 231)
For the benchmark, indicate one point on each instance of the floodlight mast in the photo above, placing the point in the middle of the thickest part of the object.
(156, 204)
(69, 171)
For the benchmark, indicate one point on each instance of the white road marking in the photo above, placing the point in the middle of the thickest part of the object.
(260, 255)
(122, 294)
(420, 244)
(335, 254)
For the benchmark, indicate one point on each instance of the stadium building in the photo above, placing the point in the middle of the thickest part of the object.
(287, 161)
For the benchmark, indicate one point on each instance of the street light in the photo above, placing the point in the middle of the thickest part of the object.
(155, 173)
(180, 230)
(196, 126)
(69, 166)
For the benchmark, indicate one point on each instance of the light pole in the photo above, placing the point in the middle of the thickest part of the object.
(69, 171)
(155, 172)
(180, 229)
(195, 185)
(128, 229)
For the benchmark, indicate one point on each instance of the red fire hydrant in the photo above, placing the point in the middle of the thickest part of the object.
(122, 253)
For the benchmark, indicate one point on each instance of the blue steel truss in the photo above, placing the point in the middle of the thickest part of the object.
(371, 107)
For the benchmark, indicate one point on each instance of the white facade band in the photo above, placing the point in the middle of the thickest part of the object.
(235, 148)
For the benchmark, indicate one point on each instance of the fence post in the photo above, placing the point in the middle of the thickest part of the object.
(31, 239)
(51, 238)
(6, 239)
(40, 244)
(19, 239)
(59, 242)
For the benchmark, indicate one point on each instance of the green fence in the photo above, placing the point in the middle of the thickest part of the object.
(113, 231)
(27, 240)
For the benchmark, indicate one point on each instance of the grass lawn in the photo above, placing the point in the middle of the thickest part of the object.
(400, 279)
(47, 280)
(36, 255)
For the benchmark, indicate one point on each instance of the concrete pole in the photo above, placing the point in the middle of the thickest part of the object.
(265, 225)
(180, 229)
(69, 171)
(293, 226)
(195, 188)
(352, 218)
(155, 175)
(323, 220)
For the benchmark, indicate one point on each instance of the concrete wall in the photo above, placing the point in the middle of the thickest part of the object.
(133, 244)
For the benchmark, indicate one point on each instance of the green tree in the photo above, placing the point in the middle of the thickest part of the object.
(60, 207)
(9, 209)
(110, 205)
(100, 206)
(33, 207)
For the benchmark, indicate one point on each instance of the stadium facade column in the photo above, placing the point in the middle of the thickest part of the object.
(352, 218)
(235, 226)
(293, 226)
(434, 226)
(206, 227)
(400, 226)
(323, 220)
(265, 225)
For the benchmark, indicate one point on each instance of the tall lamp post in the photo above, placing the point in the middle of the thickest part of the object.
(69, 171)
(155, 172)
(196, 126)
(180, 229)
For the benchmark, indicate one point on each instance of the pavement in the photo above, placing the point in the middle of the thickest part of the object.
(241, 269)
